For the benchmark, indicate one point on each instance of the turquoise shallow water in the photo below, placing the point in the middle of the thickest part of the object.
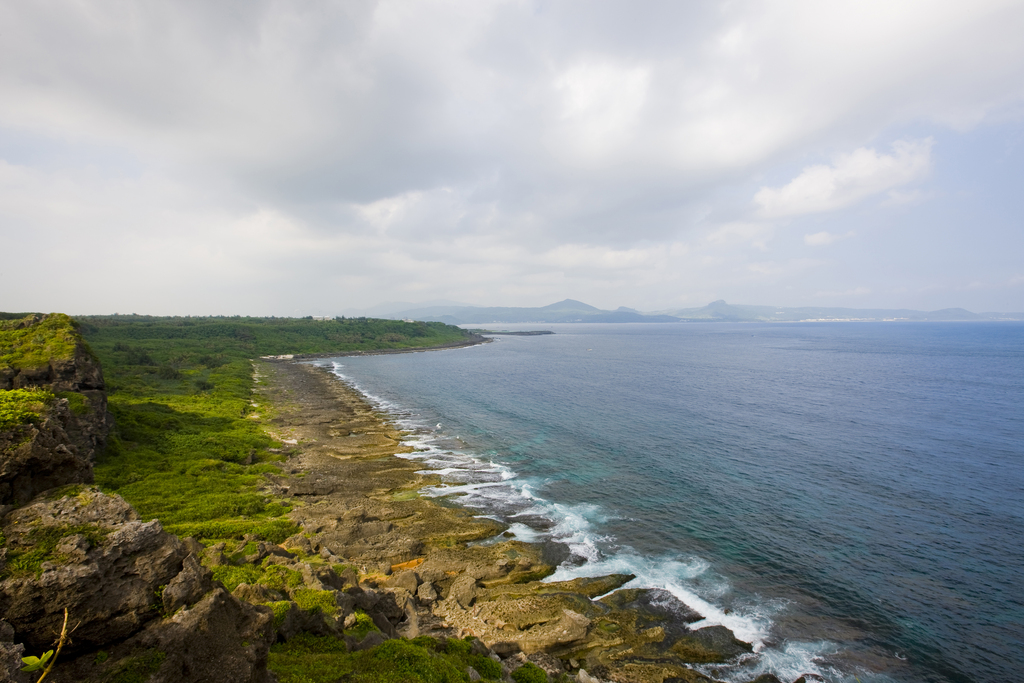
(847, 496)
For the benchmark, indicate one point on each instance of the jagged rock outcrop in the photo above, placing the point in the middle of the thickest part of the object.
(47, 352)
(87, 552)
(38, 457)
(134, 592)
(217, 639)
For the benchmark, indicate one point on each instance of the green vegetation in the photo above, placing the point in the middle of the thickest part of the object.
(187, 449)
(321, 602)
(321, 659)
(33, 341)
(144, 340)
(40, 545)
(364, 624)
(138, 668)
(22, 406)
(529, 673)
(280, 609)
(270, 575)
(77, 403)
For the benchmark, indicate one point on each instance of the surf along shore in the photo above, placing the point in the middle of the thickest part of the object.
(452, 574)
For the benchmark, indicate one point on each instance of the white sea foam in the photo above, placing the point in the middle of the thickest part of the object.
(788, 662)
(501, 494)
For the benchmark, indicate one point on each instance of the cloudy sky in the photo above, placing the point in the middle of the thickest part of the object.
(294, 158)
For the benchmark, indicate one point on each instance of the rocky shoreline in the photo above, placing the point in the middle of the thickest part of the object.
(368, 561)
(359, 506)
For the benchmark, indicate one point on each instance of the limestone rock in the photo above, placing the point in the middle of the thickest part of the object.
(192, 582)
(10, 656)
(426, 593)
(59, 450)
(721, 640)
(372, 639)
(35, 458)
(463, 591)
(256, 594)
(405, 579)
(110, 592)
(219, 639)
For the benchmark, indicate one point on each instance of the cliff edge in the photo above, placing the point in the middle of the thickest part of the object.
(53, 407)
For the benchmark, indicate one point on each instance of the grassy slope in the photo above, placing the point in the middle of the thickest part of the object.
(185, 450)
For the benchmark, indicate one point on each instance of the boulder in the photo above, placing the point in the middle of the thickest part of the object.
(720, 639)
(108, 583)
(405, 579)
(463, 591)
(426, 593)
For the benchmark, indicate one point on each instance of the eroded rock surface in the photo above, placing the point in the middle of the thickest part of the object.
(87, 552)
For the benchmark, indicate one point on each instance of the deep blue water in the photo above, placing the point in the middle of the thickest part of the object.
(848, 496)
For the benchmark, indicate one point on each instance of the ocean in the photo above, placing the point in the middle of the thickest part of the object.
(848, 497)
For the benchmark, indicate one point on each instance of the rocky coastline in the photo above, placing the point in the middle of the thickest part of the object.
(372, 561)
(451, 574)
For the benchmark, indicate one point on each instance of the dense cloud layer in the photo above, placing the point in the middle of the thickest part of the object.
(282, 157)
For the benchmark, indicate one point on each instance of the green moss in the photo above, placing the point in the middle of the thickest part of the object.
(457, 647)
(22, 406)
(138, 668)
(315, 601)
(364, 624)
(486, 667)
(27, 554)
(77, 403)
(272, 576)
(34, 341)
(529, 673)
(691, 651)
(321, 659)
(280, 609)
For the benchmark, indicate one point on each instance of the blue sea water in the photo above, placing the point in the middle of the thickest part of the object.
(849, 497)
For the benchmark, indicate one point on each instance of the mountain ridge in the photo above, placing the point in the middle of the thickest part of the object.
(572, 310)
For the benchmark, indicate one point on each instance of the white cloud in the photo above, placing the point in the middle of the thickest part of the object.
(823, 238)
(755, 235)
(853, 177)
(368, 149)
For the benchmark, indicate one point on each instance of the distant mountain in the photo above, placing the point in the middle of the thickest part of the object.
(567, 311)
(572, 311)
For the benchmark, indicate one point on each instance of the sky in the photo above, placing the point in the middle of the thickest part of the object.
(257, 157)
